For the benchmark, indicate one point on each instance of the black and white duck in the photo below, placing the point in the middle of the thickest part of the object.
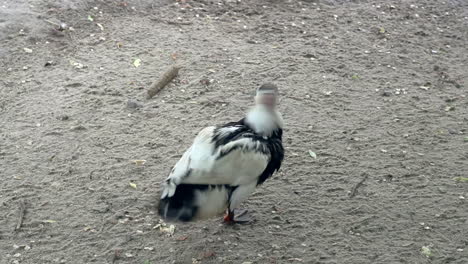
(225, 164)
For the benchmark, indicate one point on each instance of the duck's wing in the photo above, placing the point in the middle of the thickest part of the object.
(229, 155)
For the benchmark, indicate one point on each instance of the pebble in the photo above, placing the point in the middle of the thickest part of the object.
(63, 117)
(386, 93)
(132, 104)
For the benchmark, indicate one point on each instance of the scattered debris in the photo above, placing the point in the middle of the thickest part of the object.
(133, 185)
(49, 63)
(78, 128)
(449, 108)
(60, 26)
(206, 254)
(426, 251)
(63, 117)
(24, 247)
(167, 77)
(163, 227)
(425, 88)
(182, 238)
(312, 154)
(295, 259)
(100, 26)
(77, 65)
(133, 104)
(355, 188)
(136, 63)
(461, 179)
(355, 77)
(139, 162)
(116, 255)
(22, 211)
(206, 81)
(386, 93)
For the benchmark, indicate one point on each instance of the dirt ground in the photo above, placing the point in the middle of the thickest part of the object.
(375, 88)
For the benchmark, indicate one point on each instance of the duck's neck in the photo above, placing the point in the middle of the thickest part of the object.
(264, 120)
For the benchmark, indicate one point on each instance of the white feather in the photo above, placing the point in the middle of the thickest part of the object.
(211, 202)
(264, 120)
(199, 164)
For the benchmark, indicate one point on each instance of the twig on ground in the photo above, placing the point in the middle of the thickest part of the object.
(355, 188)
(172, 22)
(22, 211)
(166, 78)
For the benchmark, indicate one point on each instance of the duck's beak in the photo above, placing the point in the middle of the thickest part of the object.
(266, 99)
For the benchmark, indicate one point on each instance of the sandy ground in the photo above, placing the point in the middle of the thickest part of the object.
(374, 88)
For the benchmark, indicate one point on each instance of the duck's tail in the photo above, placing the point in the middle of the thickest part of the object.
(194, 201)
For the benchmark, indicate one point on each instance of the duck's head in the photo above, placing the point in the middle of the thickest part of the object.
(267, 96)
(264, 118)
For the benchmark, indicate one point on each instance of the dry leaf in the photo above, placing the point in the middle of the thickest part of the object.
(312, 154)
(133, 185)
(207, 254)
(461, 179)
(100, 26)
(27, 50)
(426, 251)
(169, 230)
(139, 162)
(136, 63)
(49, 221)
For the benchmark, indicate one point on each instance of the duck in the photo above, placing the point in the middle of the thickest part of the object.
(225, 164)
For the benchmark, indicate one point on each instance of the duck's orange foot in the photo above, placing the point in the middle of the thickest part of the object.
(237, 217)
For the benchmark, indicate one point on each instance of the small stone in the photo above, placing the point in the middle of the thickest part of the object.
(386, 93)
(78, 128)
(49, 63)
(63, 117)
(449, 108)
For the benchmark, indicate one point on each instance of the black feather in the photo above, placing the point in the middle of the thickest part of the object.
(181, 206)
(271, 146)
